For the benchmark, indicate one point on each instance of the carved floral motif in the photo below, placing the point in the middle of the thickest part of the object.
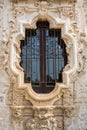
(44, 121)
(82, 59)
(43, 8)
(45, 124)
(16, 11)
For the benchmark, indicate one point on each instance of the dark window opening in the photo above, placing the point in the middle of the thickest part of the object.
(43, 57)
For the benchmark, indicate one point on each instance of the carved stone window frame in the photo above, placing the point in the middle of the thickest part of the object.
(71, 48)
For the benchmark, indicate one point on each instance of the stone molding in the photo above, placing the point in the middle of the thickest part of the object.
(44, 117)
(68, 37)
(45, 0)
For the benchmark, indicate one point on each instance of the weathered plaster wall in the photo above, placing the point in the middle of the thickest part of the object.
(78, 87)
(4, 79)
(81, 99)
(81, 82)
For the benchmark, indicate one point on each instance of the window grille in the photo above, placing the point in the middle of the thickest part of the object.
(43, 57)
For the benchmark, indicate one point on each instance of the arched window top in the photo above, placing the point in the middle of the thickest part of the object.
(43, 57)
(42, 24)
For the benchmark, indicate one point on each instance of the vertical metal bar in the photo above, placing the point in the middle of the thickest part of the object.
(29, 62)
(26, 57)
(60, 61)
(44, 56)
(42, 59)
(36, 73)
(38, 36)
(31, 55)
(53, 54)
(63, 62)
(55, 57)
(61, 49)
(58, 55)
(41, 62)
(47, 56)
(39, 56)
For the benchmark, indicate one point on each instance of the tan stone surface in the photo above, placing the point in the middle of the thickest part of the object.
(65, 107)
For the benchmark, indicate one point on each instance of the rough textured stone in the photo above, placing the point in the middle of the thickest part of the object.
(65, 107)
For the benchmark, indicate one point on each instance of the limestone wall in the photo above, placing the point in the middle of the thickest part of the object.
(16, 105)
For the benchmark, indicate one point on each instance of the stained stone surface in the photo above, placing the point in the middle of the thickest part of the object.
(65, 108)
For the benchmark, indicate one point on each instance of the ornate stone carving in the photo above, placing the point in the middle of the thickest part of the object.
(46, 124)
(71, 1)
(12, 29)
(17, 112)
(40, 111)
(82, 59)
(17, 57)
(42, 7)
(30, 95)
(4, 54)
(44, 119)
(83, 38)
(17, 11)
